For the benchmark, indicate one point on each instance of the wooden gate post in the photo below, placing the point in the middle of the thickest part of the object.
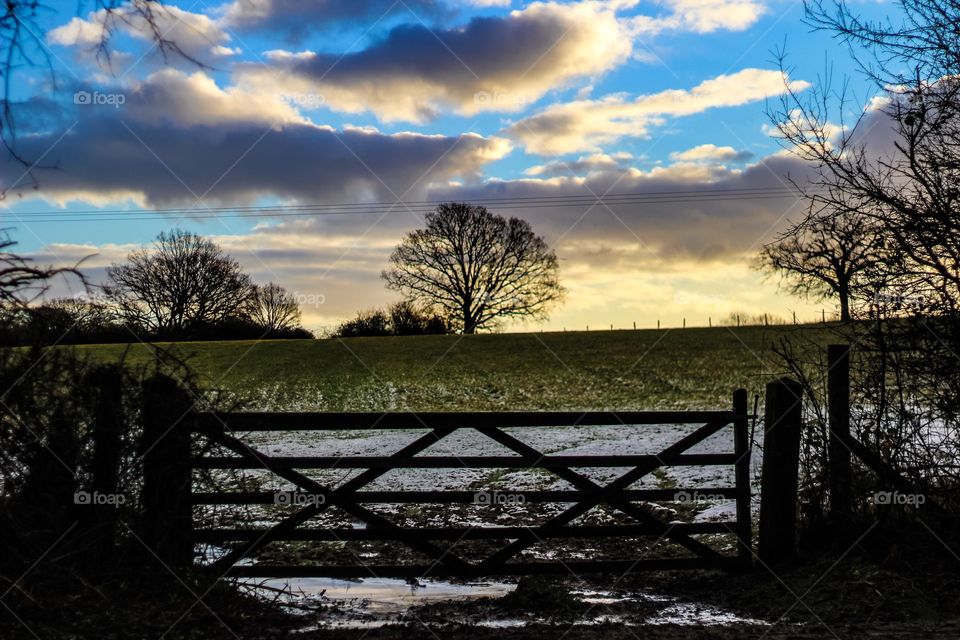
(166, 520)
(742, 471)
(783, 426)
(838, 401)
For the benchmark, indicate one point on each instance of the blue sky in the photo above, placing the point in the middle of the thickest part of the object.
(340, 102)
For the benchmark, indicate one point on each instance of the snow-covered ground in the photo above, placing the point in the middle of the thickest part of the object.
(560, 441)
(694, 481)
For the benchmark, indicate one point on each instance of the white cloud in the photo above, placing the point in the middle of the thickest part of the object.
(711, 153)
(196, 99)
(195, 34)
(586, 125)
(705, 16)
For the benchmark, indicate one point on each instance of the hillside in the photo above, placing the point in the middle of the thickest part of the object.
(683, 368)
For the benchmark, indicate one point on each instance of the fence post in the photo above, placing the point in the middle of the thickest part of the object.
(742, 469)
(838, 400)
(783, 427)
(166, 519)
(106, 382)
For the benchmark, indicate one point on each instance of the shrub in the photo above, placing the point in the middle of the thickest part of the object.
(374, 322)
(401, 319)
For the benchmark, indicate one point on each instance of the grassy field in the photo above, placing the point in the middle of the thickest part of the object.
(643, 369)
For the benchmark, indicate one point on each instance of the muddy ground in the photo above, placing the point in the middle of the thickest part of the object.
(949, 631)
(850, 599)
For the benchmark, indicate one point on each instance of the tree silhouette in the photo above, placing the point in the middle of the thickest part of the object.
(476, 267)
(273, 307)
(826, 256)
(183, 283)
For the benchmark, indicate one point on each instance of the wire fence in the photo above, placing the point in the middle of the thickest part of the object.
(732, 320)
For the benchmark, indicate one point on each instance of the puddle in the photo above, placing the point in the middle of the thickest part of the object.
(385, 595)
(375, 602)
(371, 602)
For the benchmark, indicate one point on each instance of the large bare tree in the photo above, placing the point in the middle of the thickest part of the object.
(477, 267)
(180, 284)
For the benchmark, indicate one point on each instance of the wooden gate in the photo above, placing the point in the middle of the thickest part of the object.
(355, 498)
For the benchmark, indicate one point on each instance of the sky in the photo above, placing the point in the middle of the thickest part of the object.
(344, 102)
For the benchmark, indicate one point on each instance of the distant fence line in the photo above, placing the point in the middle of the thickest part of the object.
(737, 320)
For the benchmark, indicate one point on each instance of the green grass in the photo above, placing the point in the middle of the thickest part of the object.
(643, 369)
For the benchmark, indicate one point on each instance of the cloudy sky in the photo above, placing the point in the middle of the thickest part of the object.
(660, 103)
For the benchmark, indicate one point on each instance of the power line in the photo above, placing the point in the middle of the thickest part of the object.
(419, 206)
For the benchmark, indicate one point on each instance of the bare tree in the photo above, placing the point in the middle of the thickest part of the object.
(86, 315)
(181, 284)
(273, 307)
(477, 267)
(827, 256)
(910, 192)
(897, 164)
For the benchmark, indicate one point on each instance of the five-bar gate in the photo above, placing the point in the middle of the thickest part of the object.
(439, 544)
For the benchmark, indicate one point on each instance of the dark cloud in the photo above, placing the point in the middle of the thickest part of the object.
(296, 19)
(220, 149)
(679, 229)
(499, 63)
(629, 236)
